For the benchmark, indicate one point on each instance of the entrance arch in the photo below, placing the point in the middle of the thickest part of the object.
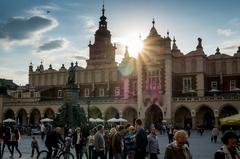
(9, 114)
(35, 117)
(94, 112)
(205, 117)
(111, 113)
(227, 110)
(22, 117)
(49, 113)
(153, 115)
(130, 114)
(183, 117)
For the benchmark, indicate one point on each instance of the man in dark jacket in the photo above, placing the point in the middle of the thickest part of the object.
(53, 139)
(141, 140)
(117, 143)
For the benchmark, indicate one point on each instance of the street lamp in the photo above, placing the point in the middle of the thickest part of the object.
(88, 108)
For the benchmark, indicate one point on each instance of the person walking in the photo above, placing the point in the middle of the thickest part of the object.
(117, 143)
(229, 149)
(130, 143)
(215, 133)
(34, 145)
(111, 134)
(99, 143)
(90, 144)
(141, 140)
(15, 137)
(77, 142)
(153, 145)
(6, 139)
(42, 129)
(178, 149)
(170, 133)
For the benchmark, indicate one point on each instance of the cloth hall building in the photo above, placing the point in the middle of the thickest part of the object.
(161, 84)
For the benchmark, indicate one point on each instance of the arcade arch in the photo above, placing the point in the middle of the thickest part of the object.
(35, 117)
(130, 114)
(9, 114)
(111, 113)
(95, 112)
(153, 115)
(22, 117)
(49, 113)
(183, 117)
(205, 117)
(227, 110)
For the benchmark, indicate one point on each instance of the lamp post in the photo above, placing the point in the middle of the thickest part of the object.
(88, 108)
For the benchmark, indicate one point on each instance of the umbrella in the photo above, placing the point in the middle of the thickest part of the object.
(122, 120)
(92, 120)
(214, 90)
(113, 120)
(164, 121)
(231, 120)
(98, 120)
(9, 120)
(46, 120)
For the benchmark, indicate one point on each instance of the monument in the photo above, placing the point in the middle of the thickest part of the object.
(71, 114)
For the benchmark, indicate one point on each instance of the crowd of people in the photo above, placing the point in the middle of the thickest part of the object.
(120, 142)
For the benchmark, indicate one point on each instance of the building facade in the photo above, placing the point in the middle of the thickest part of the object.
(161, 84)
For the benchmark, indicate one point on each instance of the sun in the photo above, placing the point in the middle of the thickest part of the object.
(134, 44)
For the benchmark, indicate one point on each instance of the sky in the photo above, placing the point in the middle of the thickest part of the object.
(58, 31)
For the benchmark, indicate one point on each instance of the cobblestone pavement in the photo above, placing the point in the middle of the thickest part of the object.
(201, 146)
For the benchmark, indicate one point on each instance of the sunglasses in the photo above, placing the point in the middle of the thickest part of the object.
(181, 142)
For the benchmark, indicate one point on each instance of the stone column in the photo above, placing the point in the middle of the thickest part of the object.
(193, 115)
(168, 88)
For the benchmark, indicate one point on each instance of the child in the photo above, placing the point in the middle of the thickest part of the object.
(34, 145)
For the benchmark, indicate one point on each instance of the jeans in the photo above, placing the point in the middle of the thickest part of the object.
(117, 156)
(99, 154)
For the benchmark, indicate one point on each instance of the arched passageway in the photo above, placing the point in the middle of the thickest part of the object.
(22, 117)
(205, 117)
(153, 115)
(111, 113)
(49, 113)
(9, 114)
(94, 112)
(35, 117)
(183, 117)
(130, 114)
(227, 110)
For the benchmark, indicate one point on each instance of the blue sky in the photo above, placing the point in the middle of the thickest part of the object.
(29, 33)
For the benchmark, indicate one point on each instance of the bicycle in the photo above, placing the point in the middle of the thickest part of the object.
(61, 154)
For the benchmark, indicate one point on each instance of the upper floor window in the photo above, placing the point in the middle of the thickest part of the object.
(232, 84)
(86, 92)
(117, 91)
(187, 84)
(214, 85)
(60, 93)
(31, 94)
(19, 95)
(101, 92)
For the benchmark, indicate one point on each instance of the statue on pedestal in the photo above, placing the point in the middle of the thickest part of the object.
(71, 76)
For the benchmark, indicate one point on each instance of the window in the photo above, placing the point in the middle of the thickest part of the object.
(214, 85)
(134, 88)
(232, 84)
(187, 84)
(60, 94)
(19, 95)
(117, 91)
(31, 94)
(86, 92)
(101, 92)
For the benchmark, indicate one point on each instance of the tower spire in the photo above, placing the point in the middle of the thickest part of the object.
(103, 10)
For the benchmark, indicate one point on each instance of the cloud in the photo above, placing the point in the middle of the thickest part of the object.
(52, 45)
(42, 10)
(89, 23)
(80, 57)
(24, 31)
(235, 22)
(231, 46)
(18, 76)
(225, 32)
